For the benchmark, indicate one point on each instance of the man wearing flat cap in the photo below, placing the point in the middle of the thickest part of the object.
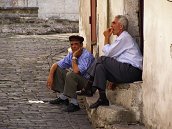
(67, 82)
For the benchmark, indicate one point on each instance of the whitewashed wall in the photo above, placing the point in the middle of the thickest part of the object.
(60, 9)
(84, 26)
(18, 3)
(157, 69)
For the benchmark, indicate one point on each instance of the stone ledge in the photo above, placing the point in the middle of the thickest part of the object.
(13, 8)
(108, 115)
(125, 108)
(104, 116)
(119, 126)
(19, 12)
(129, 96)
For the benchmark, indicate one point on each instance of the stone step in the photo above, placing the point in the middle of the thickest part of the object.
(119, 126)
(19, 12)
(106, 116)
(129, 96)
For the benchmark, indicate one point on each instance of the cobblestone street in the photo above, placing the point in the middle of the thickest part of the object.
(24, 67)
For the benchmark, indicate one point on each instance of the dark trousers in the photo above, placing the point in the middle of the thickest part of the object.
(107, 68)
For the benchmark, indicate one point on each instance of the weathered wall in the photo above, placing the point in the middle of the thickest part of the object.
(102, 22)
(84, 26)
(18, 3)
(157, 69)
(60, 9)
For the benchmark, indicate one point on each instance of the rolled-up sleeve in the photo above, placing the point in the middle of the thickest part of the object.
(65, 62)
(84, 63)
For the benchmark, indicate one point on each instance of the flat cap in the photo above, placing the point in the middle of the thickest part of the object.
(76, 38)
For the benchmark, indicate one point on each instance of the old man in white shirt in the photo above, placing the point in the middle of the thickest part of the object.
(121, 63)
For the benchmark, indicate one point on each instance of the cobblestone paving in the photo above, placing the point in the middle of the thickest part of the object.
(24, 67)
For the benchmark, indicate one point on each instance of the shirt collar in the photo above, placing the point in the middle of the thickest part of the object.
(121, 35)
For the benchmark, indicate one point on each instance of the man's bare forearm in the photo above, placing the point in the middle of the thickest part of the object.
(50, 76)
(52, 69)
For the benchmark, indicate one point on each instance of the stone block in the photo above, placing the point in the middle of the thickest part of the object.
(19, 11)
(125, 126)
(129, 96)
(108, 115)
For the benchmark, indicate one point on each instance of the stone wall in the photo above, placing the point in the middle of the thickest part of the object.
(58, 9)
(17, 12)
(19, 3)
(35, 26)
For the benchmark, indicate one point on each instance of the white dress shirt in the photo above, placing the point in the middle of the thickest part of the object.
(124, 49)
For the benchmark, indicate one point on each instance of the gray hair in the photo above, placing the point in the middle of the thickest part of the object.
(123, 20)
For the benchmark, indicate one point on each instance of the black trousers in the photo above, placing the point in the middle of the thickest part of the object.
(107, 68)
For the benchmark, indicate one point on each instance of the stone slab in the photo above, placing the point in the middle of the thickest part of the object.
(108, 115)
(128, 95)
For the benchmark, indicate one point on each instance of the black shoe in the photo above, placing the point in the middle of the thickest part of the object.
(83, 92)
(72, 108)
(59, 101)
(100, 102)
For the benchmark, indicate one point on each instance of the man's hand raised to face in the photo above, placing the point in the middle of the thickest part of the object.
(78, 53)
(107, 33)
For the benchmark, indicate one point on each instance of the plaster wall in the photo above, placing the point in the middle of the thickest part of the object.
(102, 23)
(60, 9)
(157, 67)
(106, 10)
(18, 3)
(84, 26)
(8, 3)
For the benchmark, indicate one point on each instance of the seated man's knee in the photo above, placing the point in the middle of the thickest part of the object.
(101, 59)
(99, 67)
(58, 71)
(71, 75)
